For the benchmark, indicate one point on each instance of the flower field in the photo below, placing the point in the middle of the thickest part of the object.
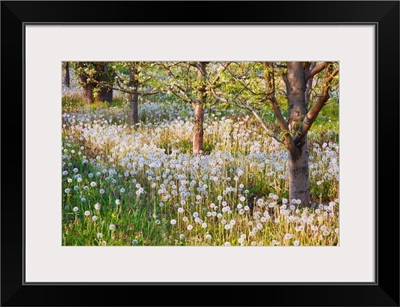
(125, 186)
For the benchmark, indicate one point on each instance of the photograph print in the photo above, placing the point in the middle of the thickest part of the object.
(200, 153)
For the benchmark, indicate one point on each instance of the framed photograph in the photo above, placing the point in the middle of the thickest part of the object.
(239, 153)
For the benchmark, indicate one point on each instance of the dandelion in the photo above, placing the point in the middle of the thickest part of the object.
(288, 236)
(69, 180)
(111, 227)
(227, 244)
(97, 206)
(93, 184)
(189, 227)
(94, 218)
(242, 198)
(122, 190)
(296, 243)
(101, 191)
(158, 222)
(99, 235)
(208, 237)
(173, 222)
(181, 210)
(181, 236)
(219, 197)
(75, 209)
(87, 213)
(117, 202)
(135, 242)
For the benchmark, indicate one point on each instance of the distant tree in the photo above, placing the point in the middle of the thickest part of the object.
(261, 86)
(137, 79)
(96, 80)
(105, 75)
(191, 82)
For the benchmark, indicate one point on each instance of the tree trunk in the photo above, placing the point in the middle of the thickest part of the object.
(198, 131)
(134, 109)
(66, 80)
(299, 187)
(105, 93)
(88, 97)
(134, 97)
(198, 128)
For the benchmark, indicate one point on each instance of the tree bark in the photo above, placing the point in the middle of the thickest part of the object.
(299, 187)
(198, 132)
(133, 98)
(134, 109)
(66, 80)
(105, 92)
(88, 97)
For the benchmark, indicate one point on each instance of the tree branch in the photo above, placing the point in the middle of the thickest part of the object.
(316, 69)
(312, 114)
(256, 115)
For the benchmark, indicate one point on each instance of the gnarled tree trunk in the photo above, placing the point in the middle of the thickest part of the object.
(299, 187)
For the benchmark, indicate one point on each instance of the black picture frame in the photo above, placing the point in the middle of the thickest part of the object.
(383, 14)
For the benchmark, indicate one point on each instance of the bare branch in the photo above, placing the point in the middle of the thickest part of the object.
(312, 114)
(318, 68)
(262, 122)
